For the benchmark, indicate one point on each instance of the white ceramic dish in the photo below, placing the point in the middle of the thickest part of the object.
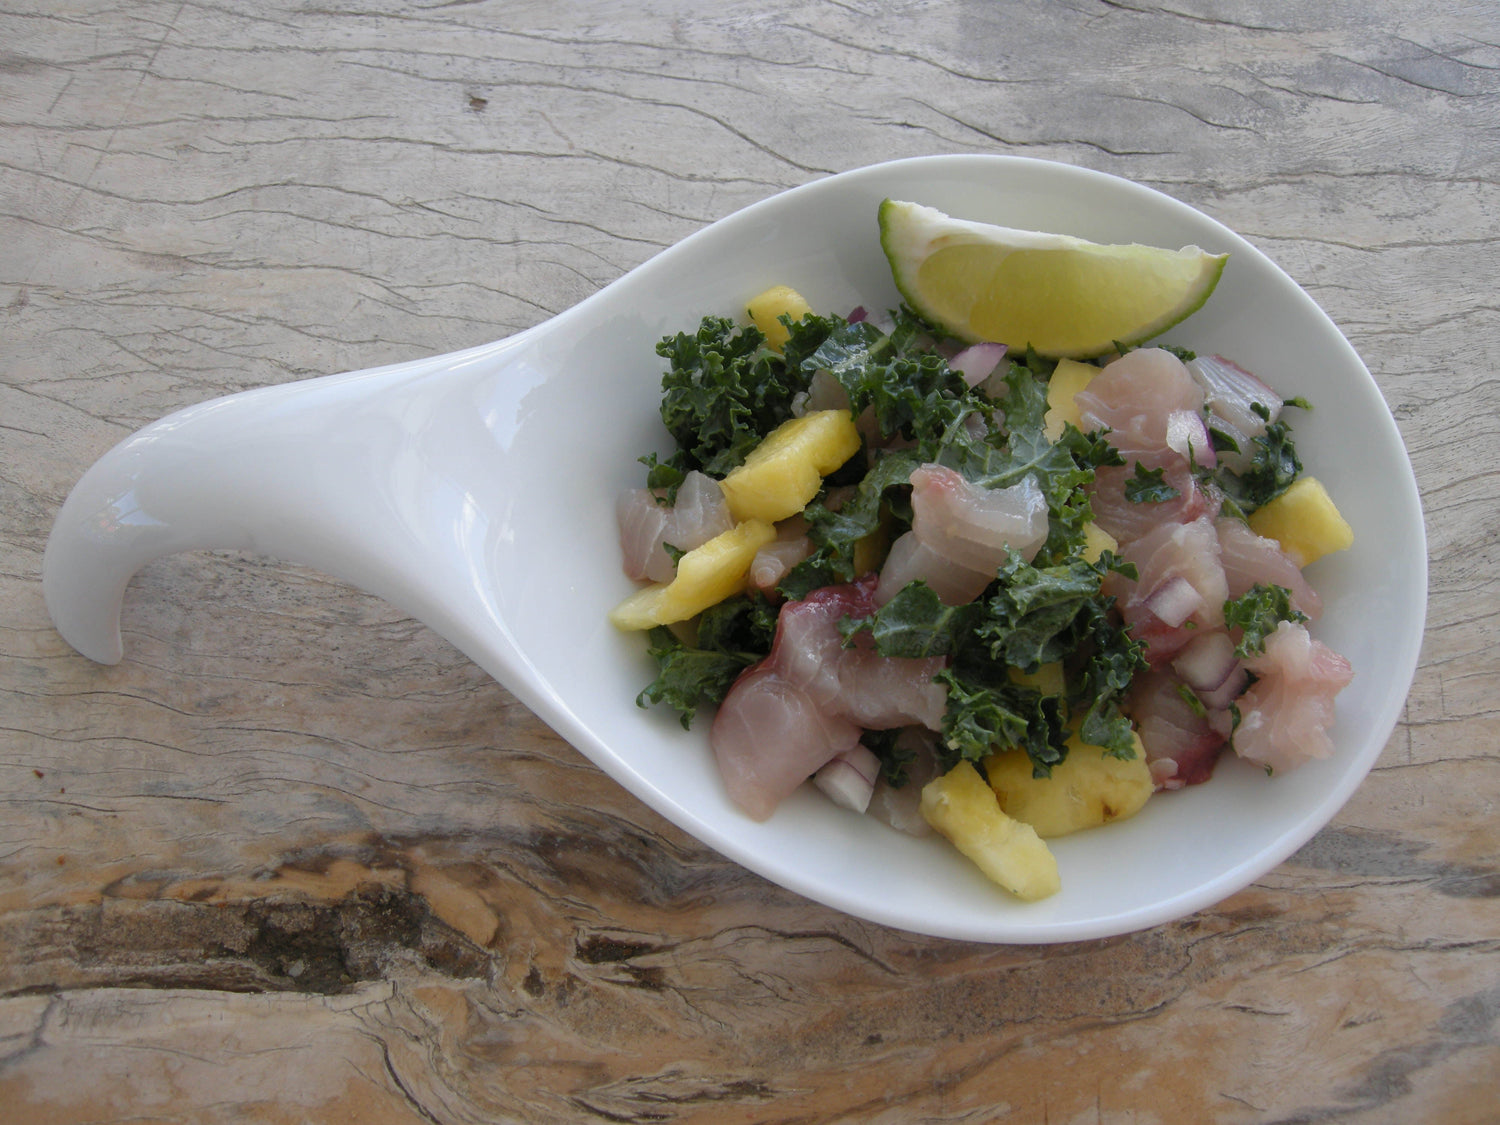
(476, 490)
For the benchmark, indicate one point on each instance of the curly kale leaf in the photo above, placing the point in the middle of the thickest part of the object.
(1256, 613)
(1149, 486)
(1108, 659)
(731, 636)
(1274, 465)
(835, 530)
(1036, 616)
(1063, 468)
(986, 715)
(916, 623)
(724, 390)
(911, 393)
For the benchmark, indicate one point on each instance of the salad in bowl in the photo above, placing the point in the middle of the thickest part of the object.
(995, 568)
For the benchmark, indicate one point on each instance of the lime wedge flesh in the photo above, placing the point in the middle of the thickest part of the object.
(1062, 296)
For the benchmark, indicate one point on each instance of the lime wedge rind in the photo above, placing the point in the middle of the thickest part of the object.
(1063, 296)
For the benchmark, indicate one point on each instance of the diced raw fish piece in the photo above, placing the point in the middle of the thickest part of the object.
(910, 559)
(769, 737)
(1164, 558)
(647, 524)
(1135, 396)
(974, 526)
(1249, 559)
(811, 679)
(1127, 520)
(1181, 745)
(1286, 714)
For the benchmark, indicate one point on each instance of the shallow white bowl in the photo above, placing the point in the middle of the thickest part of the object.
(476, 490)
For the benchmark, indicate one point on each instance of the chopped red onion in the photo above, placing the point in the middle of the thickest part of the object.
(1220, 721)
(859, 314)
(1188, 435)
(1226, 693)
(849, 779)
(1174, 601)
(977, 362)
(1230, 390)
(1206, 661)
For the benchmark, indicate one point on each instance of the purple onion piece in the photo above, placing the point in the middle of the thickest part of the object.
(1207, 661)
(1230, 391)
(1174, 601)
(1226, 693)
(977, 362)
(849, 779)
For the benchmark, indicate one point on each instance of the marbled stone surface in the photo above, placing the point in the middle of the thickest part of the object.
(295, 859)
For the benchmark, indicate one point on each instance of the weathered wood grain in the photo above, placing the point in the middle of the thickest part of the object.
(297, 860)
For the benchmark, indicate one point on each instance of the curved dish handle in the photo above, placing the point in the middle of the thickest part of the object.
(353, 474)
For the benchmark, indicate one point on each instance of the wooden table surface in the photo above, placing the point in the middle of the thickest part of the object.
(296, 859)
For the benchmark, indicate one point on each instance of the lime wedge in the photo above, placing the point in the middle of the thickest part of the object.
(1063, 296)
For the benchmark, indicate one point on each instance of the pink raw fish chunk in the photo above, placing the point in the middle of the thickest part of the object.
(1181, 745)
(1250, 559)
(811, 680)
(1172, 555)
(646, 525)
(776, 558)
(1136, 398)
(911, 559)
(769, 737)
(1286, 714)
(974, 526)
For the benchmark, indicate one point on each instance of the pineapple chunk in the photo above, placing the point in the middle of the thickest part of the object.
(962, 807)
(1088, 789)
(706, 576)
(1096, 541)
(1305, 521)
(786, 469)
(1067, 380)
(766, 310)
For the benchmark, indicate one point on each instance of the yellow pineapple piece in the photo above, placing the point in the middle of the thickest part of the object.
(1067, 380)
(962, 807)
(1088, 789)
(786, 469)
(767, 308)
(705, 576)
(1096, 541)
(1305, 521)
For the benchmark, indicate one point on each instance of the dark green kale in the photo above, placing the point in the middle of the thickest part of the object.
(916, 624)
(911, 393)
(1036, 616)
(834, 530)
(1004, 457)
(731, 636)
(1149, 486)
(724, 390)
(1273, 467)
(1107, 661)
(1256, 613)
(988, 712)
(895, 759)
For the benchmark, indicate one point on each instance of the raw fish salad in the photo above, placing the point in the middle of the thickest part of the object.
(914, 570)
